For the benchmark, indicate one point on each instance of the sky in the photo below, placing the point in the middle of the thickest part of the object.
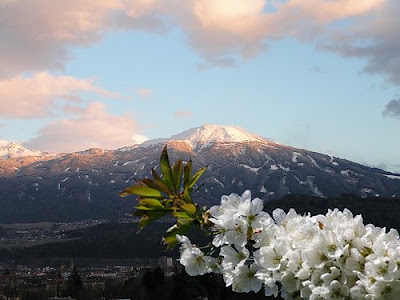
(322, 75)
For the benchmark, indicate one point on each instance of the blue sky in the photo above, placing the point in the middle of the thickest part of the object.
(320, 75)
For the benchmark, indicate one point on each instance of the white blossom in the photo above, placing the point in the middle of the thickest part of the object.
(193, 258)
(233, 257)
(331, 256)
(244, 279)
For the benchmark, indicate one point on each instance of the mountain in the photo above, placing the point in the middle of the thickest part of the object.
(13, 156)
(208, 134)
(15, 149)
(86, 184)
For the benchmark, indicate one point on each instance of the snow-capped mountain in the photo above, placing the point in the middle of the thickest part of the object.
(86, 184)
(206, 135)
(15, 149)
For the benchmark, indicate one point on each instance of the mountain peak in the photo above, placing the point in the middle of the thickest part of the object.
(206, 134)
(15, 149)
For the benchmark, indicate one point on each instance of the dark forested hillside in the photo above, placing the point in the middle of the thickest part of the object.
(116, 240)
(380, 211)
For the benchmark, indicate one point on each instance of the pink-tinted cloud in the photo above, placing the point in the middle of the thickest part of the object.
(244, 27)
(37, 34)
(183, 114)
(94, 128)
(39, 95)
(373, 37)
(34, 34)
(144, 93)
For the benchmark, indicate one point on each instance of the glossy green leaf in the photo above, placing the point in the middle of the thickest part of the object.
(199, 187)
(159, 183)
(170, 239)
(187, 173)
(138, 213)
(144, 191)
(150, 204)
(186, 194)
(189, 207)
(182, 215)
(166, 170)
(196, 177)
(150, 217)
(177, 173)
(185, 221)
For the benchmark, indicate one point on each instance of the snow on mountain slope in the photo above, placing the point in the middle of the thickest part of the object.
(208, 134)
(15, 149)
(87, 183)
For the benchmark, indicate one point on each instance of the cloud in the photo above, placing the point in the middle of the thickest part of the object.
(40, 95)
(373, 37)
(183, 114)
(392, 109)
(245, 27)
(144, 93)
(37, 34)
(94, 128)
(139, 138)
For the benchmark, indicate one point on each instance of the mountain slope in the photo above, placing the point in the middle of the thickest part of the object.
(86, 184)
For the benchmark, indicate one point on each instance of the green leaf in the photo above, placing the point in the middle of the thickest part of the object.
(143, 191)
(177, 173)
(166, 170)
(182, 215)
(159, 183)
(189, 207)
(196, 177)
(199, 187)
(170, 239)
(149, 217)
(186, 194)
(185, 221)
(151, 184)
(150, 204)
(138, 213)
(187, 173)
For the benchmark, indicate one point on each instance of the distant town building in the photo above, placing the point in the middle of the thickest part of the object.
(165, 262)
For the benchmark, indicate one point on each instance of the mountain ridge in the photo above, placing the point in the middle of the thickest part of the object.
(207, 134)
(85, 184)
(16, 149)
(196, 138)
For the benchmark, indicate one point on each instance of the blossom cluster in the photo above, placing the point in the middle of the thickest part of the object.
(332, 256)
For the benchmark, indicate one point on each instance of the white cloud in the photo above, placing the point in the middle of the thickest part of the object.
(39, 95)
(94, 128)
(373, 36)
(37, 34)
(139, 138)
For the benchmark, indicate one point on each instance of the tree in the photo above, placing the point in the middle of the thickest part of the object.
(153, 280)
(74, 283)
